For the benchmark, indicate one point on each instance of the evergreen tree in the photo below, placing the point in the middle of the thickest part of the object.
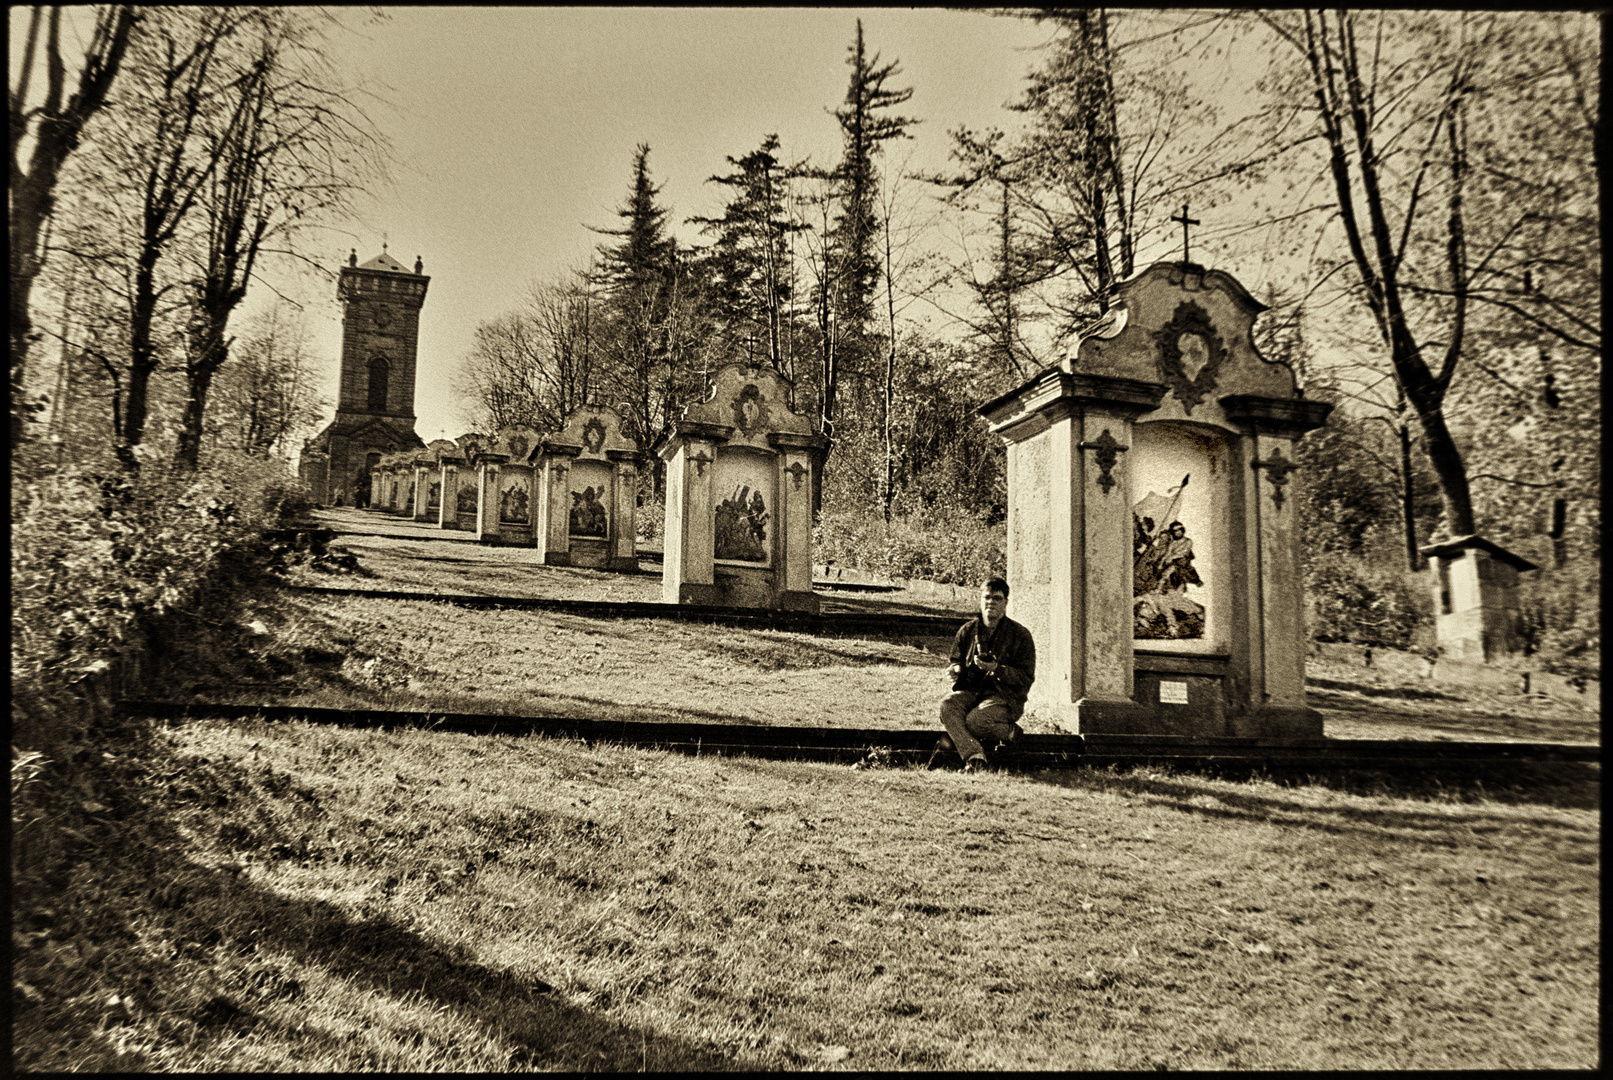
(641, 261)
(748, 265)
(865, 126)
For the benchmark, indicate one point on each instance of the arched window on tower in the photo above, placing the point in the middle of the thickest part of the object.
(378, 375)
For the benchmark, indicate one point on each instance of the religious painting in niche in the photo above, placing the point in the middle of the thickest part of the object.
(589, 513)
(466, 502)
(750, 410)
(742, 521)
(514, 501)
(434, 495)
(1162, 570)
(1193, 353)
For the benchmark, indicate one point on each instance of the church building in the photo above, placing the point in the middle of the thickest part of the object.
(381, 303)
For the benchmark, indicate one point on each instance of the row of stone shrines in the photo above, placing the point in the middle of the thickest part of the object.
(572, 494)
(738, 525)
(1153, 522)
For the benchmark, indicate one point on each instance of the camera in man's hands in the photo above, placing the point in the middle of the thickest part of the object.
(985, 656)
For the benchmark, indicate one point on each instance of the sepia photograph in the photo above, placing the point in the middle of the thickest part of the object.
(657, 539)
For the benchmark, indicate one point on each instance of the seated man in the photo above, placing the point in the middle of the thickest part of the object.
(993, 666)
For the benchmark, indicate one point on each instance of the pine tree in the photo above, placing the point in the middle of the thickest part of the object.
(640, 263)
(865, 127)
(748, 264)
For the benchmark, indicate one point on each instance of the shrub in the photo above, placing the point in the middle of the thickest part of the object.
(1354, 599)
(1560, 618)
(650, 518)
(97, 553)
(934, 543)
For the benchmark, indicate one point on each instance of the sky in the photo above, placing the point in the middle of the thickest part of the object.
(514, 130)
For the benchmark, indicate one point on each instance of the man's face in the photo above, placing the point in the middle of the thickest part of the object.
(1178, 531)
(993, 604)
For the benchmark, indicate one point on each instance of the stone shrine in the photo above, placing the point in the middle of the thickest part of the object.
(589, 477)
(458, 506)
(386, 491)
(506, 485)
(381, 303)
(1153, 524)
(428, 480)
(739, 496)
(1476, 612)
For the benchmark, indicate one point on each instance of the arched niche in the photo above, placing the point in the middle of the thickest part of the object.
(1182, 519)
(380, 373)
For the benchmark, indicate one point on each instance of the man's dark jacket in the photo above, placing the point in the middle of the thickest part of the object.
(1014, 651)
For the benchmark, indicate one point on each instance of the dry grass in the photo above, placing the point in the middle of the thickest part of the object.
(293, 897)
(414, 655)
(298, 897)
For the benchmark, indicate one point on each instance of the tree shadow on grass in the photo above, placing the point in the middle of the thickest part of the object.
(201, 950)
(1461, 792)
(1410, 693)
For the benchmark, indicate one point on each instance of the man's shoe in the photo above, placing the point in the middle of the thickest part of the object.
(978, 763)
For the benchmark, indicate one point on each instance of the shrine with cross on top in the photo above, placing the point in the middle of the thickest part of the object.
(1153, 526)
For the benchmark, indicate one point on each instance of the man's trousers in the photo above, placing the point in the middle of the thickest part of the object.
(971, 719)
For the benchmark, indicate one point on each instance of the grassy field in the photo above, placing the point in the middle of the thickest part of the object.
(297, 897)
(293, 897)
(418, 655)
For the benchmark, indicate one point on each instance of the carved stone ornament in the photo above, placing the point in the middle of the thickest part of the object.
(593, 435)
(1191, 353)
(518, 447)
(701, 460)
(1277, 469)
(750, 409)
(1107, 452)
(797, 471)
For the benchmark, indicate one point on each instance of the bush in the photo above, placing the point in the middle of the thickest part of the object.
(1353, 599)
(650, 518)
(98, 553)
(1560, 620)
(934, 543)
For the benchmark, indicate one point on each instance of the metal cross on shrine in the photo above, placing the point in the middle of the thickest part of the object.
(1186, 221)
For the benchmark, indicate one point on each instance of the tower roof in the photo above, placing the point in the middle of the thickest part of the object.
(384, 261)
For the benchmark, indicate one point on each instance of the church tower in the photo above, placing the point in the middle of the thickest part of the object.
(381, 303)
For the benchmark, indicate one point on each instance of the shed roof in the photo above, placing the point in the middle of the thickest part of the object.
(1446, 549)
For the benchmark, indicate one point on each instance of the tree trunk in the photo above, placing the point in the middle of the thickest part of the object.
(55, 138)
(200, 380)
(1408, 503)
(1448, 468)
(142, 358)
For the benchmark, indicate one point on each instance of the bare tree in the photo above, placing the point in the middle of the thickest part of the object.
(535, 364)
(291, 146)
(55, 128)
(266, 395)
(143, 176)
(1393, 94)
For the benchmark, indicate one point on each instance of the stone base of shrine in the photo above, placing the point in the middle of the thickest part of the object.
(723, 594)
(1130, 718)
(1190, 696)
